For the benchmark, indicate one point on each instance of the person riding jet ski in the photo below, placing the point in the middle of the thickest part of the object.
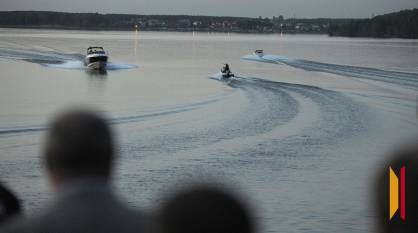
(226, 69)
(226, 72)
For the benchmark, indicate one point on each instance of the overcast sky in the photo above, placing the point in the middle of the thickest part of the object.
(251, 8)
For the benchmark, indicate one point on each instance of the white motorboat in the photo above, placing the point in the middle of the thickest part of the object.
(96, 58)
(259, 52)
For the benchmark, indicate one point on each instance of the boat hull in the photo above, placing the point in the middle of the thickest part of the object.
(96, 61)
(97, 65)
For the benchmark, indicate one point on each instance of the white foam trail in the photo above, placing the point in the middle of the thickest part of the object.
(55, 59)
(266, 58)
(34, 55)
(79, 65)
(408, 80)
(115, 66)
(217, 76)
(72, 65)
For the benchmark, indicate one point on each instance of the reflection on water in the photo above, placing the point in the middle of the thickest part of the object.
(135, 42)
(96, 83)
(93, 73)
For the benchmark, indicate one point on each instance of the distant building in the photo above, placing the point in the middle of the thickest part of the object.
(197, 23)
(156, 23)
(315, 28)
(184, 23)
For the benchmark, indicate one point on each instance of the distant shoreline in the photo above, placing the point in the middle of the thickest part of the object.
(145, 30)
(402, 24)
(175, 23)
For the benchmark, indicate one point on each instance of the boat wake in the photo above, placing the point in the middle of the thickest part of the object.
(259, 110)
(263, 133)
(55, 59)
(79, 65)
(123, 118)
(409, 80)
(274, 135)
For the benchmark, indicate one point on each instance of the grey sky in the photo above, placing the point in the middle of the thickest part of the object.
(251, 8)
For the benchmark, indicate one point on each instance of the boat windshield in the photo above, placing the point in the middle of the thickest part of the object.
(91, 50)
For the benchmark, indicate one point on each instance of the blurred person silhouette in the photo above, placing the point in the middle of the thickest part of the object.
(79, 155)
(407, 157)
(9, 204)
(203, 209)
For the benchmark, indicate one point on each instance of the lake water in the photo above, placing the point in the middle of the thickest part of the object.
(299, 137)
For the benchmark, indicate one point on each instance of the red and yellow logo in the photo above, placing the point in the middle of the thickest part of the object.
(397, 193)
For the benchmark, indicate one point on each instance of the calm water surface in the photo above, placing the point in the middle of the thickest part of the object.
(300, 139)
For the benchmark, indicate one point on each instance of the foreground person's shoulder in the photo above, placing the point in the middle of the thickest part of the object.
(16, 225)
(135, 221)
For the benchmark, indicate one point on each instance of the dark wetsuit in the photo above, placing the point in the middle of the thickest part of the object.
(227, 68)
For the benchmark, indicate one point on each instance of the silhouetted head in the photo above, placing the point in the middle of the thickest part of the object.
(9, 204)
(203, 209)
(405, 157)
(78, 144)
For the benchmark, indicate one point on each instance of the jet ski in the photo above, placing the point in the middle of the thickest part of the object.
(96, 58)
(226, 72)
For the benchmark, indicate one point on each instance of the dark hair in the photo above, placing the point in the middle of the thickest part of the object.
(9, 204)
(203, 209)
(405, 157)
(79, 143)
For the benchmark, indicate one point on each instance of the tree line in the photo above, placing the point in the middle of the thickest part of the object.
(47, 19)
(402, 24)
(96, 21)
